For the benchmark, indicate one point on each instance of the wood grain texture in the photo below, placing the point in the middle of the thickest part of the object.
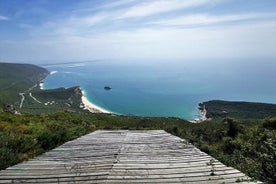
(124, 157)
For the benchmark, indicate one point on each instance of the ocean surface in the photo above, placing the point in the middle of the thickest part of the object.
(166, 88)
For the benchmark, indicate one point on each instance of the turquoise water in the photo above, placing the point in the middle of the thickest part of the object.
(166, 88)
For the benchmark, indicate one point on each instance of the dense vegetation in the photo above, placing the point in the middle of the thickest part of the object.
(53, 100)
(245, 112)
(18, 78)
(19, 81)
(250, 149)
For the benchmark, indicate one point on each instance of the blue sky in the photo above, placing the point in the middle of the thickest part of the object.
(75, 30)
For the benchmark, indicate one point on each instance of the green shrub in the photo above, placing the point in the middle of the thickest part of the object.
(270, 123)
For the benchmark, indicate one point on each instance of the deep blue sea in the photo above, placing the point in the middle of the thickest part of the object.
(167, 88)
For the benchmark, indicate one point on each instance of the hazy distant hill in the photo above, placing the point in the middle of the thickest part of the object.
(19, 88)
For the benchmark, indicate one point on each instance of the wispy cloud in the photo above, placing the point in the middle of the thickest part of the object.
(91, 20)
(206, 19)
(117, 4)
(3, 18)
(160, 6)
(240, 41)
(147, 28)
(114, 15)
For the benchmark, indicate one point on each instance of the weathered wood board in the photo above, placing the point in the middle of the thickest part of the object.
(123, 157)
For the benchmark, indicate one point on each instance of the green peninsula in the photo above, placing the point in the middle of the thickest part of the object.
(244, 112)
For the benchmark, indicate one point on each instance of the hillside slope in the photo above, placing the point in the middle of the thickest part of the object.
(18, 78)
(20, 91)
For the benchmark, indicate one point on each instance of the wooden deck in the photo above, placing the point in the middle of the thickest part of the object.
(123, 157)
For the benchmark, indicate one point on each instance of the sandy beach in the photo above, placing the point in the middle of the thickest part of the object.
(90, 106)
(86, 104)
(41, 85)
(53, 72)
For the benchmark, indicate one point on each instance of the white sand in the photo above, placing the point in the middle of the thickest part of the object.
(86, 104)
(90, 106)
(41, 85)
(53, 72)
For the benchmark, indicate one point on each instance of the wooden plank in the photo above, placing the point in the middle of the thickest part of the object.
(122, 157)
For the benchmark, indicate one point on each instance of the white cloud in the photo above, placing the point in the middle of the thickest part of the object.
(86, 23)
(116, 4)
(90, 35)
(3, 18)
(239, 41)
(205, 19)
(231, 41)
(209, 42)
(69, 27)
(160, 6)
(92, 20)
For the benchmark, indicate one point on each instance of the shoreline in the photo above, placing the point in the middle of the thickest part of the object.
(87, 105)
(41, 83)
(53, 72)
(203, 113)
